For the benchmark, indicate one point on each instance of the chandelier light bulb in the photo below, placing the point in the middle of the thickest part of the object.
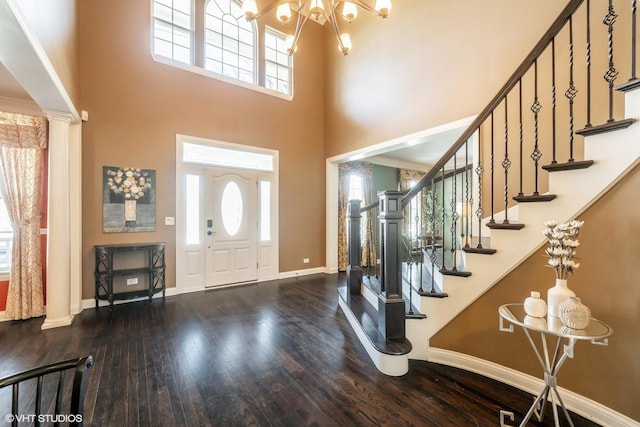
(316, 9)
(349, 11)
(383, 7)
(283, 13)
(345, 40)
(250, 9)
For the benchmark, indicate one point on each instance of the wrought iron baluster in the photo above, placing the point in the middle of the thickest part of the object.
(491, 165)
(466, 204)
(553, 101)
(588, 60)
(443, 266)
(571, 92)
(506, 162)
(480, 211)
(454, 213)
(433, 256)
(611, 74)
(633, 41)
(520, 193)
(535, 109)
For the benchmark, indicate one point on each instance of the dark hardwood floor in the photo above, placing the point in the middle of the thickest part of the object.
(274, 354)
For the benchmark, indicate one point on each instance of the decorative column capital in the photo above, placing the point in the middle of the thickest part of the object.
(59, 116)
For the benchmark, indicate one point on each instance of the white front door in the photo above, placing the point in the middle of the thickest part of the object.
(231, 227)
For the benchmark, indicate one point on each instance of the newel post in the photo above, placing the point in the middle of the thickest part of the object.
(391, 308)
(354, 270)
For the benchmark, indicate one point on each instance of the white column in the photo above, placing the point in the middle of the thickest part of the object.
(58, 240)
(75, 217)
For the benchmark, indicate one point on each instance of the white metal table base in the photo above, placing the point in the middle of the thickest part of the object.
(550, 366)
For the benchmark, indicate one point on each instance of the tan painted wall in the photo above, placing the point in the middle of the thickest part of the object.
(606, 282)
(402, 69)
(136, 107)
(54, 24)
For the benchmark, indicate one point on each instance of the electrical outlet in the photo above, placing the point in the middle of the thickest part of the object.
(132, 281)
(305, 261)
(169, 220)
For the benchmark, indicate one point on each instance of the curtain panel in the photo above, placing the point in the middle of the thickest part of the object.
(22, 142)
(364, 170)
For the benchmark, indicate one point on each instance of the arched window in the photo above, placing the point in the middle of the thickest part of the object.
(230, 41)
(172, 29)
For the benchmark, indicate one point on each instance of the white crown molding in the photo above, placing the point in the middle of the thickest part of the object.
(20, 106)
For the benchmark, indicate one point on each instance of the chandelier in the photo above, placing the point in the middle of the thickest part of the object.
(320, 11)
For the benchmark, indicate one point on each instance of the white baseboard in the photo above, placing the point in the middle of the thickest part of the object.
(3, 317)
(581, 405)
(298, 273)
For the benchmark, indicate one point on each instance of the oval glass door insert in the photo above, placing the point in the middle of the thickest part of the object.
(231, 207)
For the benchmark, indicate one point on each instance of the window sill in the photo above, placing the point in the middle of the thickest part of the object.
(205, 73)
(4, 276)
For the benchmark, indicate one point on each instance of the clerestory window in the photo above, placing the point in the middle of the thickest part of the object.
(277, 60)
(229, 41)
(172, 29)
(228, 47)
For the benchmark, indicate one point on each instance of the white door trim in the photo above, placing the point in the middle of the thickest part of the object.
(331, 190)
(268, 252)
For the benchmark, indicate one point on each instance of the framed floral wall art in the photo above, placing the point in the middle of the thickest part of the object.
(129, 200)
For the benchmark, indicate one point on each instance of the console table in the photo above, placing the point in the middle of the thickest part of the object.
(596, 332)
(105, 271)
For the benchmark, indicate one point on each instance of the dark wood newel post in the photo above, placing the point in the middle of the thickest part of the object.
(354, 269)
(391, 310)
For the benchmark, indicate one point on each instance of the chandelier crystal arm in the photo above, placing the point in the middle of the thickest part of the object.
(251, 15)
(300, 23)
(334, 25)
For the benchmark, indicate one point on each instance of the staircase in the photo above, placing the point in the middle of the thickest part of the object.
(487, 198)
(614, 154)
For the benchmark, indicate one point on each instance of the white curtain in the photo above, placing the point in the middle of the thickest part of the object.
(23, 140)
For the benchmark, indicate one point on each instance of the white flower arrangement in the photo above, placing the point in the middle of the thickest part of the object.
(132, 184)
(563, 241)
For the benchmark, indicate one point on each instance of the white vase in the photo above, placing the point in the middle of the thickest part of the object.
(574, 314)
(535, 306)
(130, 210)
(557, 295)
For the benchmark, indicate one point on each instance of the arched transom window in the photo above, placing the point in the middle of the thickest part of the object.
(230, 41)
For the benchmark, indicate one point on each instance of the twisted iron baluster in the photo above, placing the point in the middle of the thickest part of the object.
(571, 92)
(432, 219)
(611, 74)
(535, 109)
(506, 163)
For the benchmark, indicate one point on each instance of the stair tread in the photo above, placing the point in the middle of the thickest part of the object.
(367, 318)
(567, 166)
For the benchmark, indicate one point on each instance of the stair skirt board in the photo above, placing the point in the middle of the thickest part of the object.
(576, 403)
(392, 365)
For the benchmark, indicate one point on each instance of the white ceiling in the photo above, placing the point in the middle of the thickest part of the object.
(9, 87)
